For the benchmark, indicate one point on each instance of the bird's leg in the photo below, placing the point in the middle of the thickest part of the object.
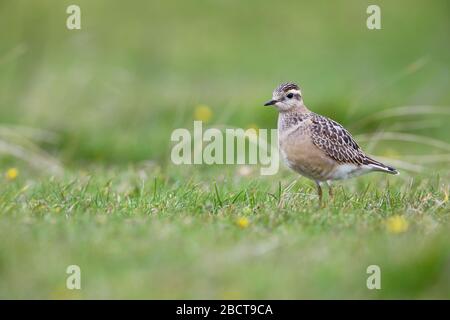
(319, 192)
(330, 189)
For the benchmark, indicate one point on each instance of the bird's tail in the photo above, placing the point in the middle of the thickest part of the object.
(378, 166)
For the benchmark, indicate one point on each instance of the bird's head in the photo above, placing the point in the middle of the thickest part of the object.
(285, 97)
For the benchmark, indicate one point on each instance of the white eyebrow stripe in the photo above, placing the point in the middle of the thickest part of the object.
(294, 91)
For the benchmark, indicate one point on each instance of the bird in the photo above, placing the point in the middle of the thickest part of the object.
(315, 146)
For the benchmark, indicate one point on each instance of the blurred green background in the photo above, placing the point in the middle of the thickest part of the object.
(114, 90)
(100, 104)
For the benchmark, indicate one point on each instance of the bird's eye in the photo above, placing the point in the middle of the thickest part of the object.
(290, 95)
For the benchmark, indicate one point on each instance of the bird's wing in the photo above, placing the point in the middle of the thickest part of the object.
(335, 141)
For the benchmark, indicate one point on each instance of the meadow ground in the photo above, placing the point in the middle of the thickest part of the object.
(86, 118)
(227, 237)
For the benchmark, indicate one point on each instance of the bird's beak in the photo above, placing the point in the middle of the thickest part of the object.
(270, 103)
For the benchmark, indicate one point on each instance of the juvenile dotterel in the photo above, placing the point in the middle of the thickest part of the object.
(315, 146)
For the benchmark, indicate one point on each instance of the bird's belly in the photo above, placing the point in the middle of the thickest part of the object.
(346, 171)
(305, 158)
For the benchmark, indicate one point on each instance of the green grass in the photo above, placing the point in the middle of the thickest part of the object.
(172, 236)
(86, 117)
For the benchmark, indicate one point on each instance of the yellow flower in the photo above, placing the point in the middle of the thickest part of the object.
(242, 222)
(252, 127)
(203, 113)
(397, 224)
(252, 134)
(12, 173)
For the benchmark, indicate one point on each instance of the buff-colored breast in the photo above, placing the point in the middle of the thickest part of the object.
(302, 156)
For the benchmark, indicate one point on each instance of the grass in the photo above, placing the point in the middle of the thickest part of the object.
(174, 236)
(86, 118)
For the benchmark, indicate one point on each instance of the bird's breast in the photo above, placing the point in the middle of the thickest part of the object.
(302, 156)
